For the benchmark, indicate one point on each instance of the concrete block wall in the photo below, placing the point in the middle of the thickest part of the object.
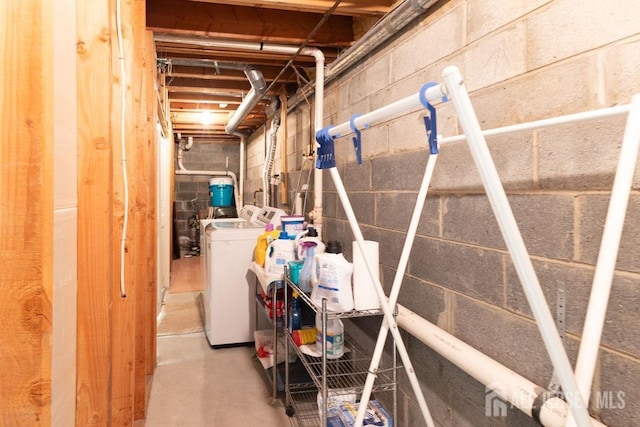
(192, 191)
(521, 61)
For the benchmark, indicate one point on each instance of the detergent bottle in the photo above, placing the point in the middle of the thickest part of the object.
(310, 235)
(279, 253)
(268, 236)
(333, 337)
(331, 278)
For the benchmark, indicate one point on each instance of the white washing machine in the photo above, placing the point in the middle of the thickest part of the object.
(228, 297)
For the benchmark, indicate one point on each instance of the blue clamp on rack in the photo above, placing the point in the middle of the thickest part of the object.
(357, 140)
(326, 157)
(430, 121)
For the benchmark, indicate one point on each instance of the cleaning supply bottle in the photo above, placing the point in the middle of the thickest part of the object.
(310, 235)
(331, 278)
(295, 314)
(304, 278)
(260, 251)
(334, 337)
(279, 253)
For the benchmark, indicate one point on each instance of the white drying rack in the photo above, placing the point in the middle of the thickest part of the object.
(576, 387)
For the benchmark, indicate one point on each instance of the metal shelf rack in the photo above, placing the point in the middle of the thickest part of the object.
(346, 375)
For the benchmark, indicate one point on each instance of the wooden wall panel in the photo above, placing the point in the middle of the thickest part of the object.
(26, 211)
(116, 333)
(95, 213)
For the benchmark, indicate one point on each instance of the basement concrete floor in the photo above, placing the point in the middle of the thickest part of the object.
(195, 386)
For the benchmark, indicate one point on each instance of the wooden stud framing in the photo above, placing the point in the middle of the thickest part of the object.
(26, 211)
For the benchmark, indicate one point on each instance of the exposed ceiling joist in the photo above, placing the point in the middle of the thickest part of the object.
(350, 8)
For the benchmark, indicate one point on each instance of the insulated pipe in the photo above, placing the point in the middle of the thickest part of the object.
(390, 25)
(509, 385)
(609, 246)
(511, 234)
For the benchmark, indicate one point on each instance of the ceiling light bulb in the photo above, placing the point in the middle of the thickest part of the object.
(223, 105)
(206, 118)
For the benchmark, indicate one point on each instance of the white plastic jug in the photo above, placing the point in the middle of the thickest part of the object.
(331, 278)
(334, 337)
(279, 253)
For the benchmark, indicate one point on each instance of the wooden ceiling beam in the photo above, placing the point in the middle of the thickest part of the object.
(208, 73)
(349, 8)
(246, 23)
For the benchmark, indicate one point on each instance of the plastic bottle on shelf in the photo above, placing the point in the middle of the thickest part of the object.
(304, 239)
(279, 253)
(334, 337)
(268, 236)
(295, 314)
(331, 278)
(304, 278)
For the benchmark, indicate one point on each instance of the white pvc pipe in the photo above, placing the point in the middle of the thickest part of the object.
(513, 239)
(403, 105)
(397, 282)
(317, 123)
(544, 123)
(184, 171)
(388, 314)
(509, 385)
(606, 264)
(243, 145)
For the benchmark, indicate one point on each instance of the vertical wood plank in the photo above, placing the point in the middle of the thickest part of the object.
(95, 213)
(152, 259)
(26, 211)
(123, 307)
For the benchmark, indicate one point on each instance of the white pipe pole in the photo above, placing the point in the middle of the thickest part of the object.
(317, 123)
(388, 313)
(397, 282)
(544, 123)
(509, 385)
(606, 264)
(401, 106)
(513, 239)
(243, 160)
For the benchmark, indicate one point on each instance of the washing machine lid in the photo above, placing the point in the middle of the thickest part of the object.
(234, 228)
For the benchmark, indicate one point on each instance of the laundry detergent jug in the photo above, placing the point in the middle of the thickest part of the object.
(306, 239)
(331, 278)
(279, 253)
(260, 251)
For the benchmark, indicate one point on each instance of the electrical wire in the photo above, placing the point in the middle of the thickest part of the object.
(125, 180)
(304, 44)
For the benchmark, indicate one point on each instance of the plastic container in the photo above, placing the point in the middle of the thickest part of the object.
(221, 191)
(292, 224)
(294, 270)
(331, 278)
(305, 335)
(279, 253)
(307, 238)
(334, 338)
(295, 314)
(304, 278)
(260, 251)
